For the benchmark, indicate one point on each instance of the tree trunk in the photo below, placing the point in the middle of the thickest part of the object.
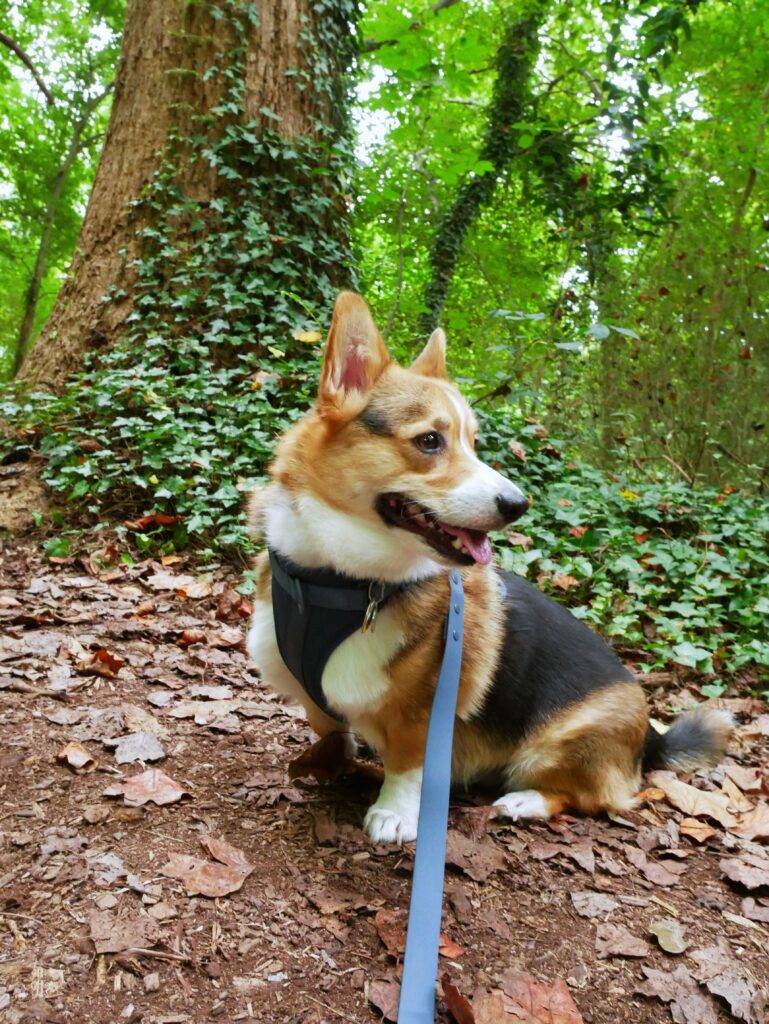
(218, 108)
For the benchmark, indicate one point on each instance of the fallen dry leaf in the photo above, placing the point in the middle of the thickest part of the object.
(563, 581)
(755, 910)
(76, 756)
(138, 746)
(738, 802)
(670, 935)
(168, 581)
(459, 1008)
(592, 904)
(750, 780)
(325, 760)
(478, 859)
(692, 801)
(385, 996)
(758, 727)
(115, 934)
(324, 828)
(136, 719)
(189, 637)
(697, 830)
(152, 786)
(203, 877)
(539, 1002)
(688, 1004)
(616, 940)
(104, 663)
(725, 976)
(490, 1008)
(754, 824)
(227, 854)
(208, 692)
(650, 795)
(517, 449)
(519, 540)
(153, 519)
(748, 870)
(449, 949)
(391, 928)
(196, 589)
(660, 872)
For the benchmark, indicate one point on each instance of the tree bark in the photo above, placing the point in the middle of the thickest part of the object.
(170, 80)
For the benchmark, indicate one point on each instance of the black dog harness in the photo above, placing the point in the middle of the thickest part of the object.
(315, 610)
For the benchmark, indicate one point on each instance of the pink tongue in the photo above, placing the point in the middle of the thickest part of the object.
(479, 549)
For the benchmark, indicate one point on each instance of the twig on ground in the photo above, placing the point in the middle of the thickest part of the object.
(36, 691)
(330, 1009)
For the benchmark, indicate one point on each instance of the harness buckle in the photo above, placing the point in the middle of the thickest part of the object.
(376, 593)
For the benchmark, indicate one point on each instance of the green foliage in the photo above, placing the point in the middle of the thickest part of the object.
(636, 197)
(612, 284)
(679, 572)
(74, 46)
(137, 439)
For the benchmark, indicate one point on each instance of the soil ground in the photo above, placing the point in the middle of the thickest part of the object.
(310, 933)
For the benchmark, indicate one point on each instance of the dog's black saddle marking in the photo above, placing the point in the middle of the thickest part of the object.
(548, 661)
(315, 610)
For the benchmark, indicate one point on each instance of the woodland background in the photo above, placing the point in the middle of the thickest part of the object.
(577, 191)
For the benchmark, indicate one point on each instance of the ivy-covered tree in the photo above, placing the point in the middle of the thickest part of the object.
(218, 212)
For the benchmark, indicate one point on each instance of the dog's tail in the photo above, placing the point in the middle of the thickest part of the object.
(697, 739)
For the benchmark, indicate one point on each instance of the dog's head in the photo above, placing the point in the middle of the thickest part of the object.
(383, 473)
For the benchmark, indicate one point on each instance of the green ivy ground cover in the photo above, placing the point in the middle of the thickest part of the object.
(678, 573)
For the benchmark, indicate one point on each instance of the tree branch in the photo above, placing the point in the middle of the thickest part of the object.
(371, 45)
(27, 60)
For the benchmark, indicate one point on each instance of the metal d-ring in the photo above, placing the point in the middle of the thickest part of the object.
(376, 593)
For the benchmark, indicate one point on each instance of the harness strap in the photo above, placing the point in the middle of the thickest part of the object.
(347, 597)
(420, 962)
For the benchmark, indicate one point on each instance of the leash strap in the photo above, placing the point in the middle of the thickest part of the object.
(420, 962)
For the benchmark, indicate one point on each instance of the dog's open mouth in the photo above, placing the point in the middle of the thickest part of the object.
(458, 543)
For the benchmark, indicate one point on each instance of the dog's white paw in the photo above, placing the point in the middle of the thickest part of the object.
(386, 826)
(394, 816)
(526, 803)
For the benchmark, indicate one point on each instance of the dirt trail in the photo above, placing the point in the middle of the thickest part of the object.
(92, 653)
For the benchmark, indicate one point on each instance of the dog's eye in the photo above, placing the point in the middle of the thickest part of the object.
(431, 442)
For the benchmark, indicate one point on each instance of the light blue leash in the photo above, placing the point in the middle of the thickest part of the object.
(420, 962)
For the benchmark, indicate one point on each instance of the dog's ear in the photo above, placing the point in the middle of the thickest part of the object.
(354, 358)
(431, 361)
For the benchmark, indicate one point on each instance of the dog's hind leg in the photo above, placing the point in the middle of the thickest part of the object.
(587, 759)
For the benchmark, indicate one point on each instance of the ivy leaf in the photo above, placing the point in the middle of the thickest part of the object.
(599, 331)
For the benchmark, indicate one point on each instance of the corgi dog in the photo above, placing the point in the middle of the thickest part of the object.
(379, 485)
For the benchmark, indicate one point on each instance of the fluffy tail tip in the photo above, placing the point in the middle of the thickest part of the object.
(696, 739)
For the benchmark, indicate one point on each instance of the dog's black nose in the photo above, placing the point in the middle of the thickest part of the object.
(511, 506)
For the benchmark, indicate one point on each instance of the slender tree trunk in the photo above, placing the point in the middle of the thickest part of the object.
(40, 268)
(510, 101)
(200, 90)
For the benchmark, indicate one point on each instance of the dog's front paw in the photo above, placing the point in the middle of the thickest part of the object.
(386, 826)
